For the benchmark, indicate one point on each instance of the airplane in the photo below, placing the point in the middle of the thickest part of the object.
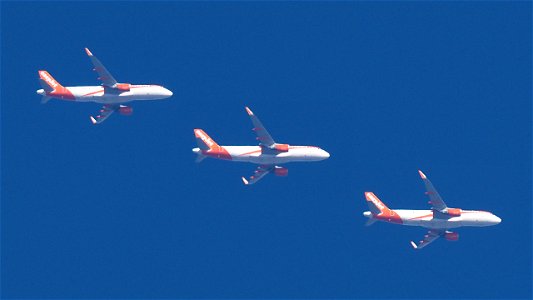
(268, 155)
(438, 220)
(110, 93)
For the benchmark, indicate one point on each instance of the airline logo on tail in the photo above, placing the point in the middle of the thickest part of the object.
(210, 147)
(49, 79)
(375, 201)
(206, 139)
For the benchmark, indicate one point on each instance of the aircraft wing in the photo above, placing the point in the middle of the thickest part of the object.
(106, 111)
(434, 198)
(103, 74)
(263, 136)
(259, 173)
(431, 236)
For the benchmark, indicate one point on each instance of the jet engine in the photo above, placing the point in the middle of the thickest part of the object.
(125, 110)
(454, 212)
(281, 171)
(125, 87)
(451, 236)
(281, 147)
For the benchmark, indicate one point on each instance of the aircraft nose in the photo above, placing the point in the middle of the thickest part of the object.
(325, 154)
(167, 92)
(496, 220)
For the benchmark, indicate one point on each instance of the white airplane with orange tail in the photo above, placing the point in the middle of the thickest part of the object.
(268, 155)
(439, 219)
(110, 93)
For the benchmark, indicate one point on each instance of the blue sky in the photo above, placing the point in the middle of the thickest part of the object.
(121, 210)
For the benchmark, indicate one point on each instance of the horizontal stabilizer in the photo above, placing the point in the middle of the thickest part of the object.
(370, 221)
(199, 158)
(45, 99)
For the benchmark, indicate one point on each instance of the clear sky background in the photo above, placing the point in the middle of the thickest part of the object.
(122, 210)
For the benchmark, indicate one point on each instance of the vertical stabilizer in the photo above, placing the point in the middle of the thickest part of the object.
(380, 211)
(204, 141)
(48, 83)
(375, 205)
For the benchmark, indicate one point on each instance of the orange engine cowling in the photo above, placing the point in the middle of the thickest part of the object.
(281, 171)
(282, 147)
(451, 236)
(125, 110)
(454, 212)
(123, 87)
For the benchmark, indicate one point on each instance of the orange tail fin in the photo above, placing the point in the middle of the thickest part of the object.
(48, 83)
(375, 205)
(205, 142)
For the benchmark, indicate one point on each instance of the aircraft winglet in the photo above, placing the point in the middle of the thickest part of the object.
(250, 113)
(422, 175)
(413, 243)
(93, 120)
(88, 52)
(244, 180)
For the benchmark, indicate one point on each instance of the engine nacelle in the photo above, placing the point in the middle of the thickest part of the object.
(281, 171)
(281, 147)
(125, 110)
(451, 236)
(125, 87)
(454, 212)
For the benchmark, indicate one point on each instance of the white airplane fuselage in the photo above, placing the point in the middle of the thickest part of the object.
(101, 94)
(254, 154)
(424, 218)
